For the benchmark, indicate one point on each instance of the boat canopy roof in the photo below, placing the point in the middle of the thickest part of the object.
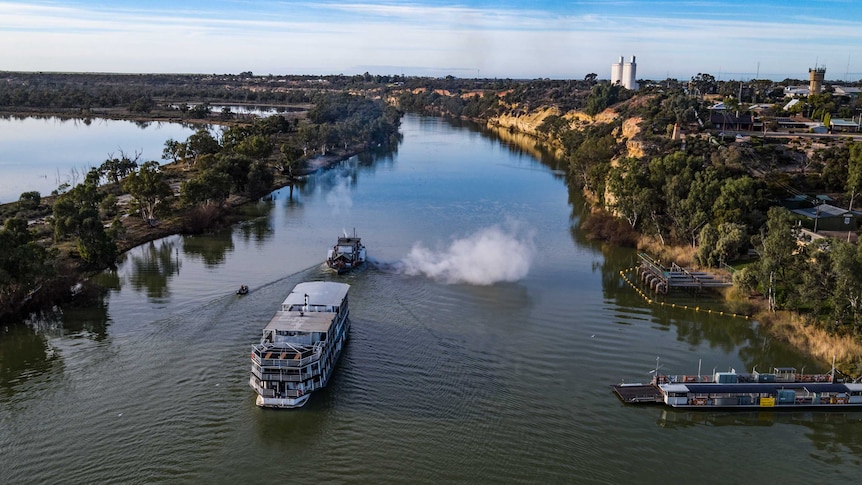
(755, 388)
(318, 293)
(348, 240)
(300, 322)
(310, 307)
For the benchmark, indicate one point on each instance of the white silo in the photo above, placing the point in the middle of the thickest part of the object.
(629, 76)
(617, 72)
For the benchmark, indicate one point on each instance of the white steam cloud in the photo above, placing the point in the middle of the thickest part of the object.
(338, 198)
(489, 256)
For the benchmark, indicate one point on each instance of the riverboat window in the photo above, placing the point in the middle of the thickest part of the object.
(290, 333)
(677, 394)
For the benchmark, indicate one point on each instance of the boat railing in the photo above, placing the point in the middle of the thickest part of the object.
(814, 377)
(281, 376)
(684, 379)
(293, 392)
(270, 393)
(284, 363)
(264, 392)
(692, 379)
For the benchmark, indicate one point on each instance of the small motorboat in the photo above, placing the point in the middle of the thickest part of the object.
(242, 290)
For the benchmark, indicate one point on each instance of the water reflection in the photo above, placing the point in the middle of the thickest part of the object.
(675, 418)
(153, 265)
(259, 226)
(835, 435)
(86, 317)
(209, 248)
(28, 163)
(343, 177)
(24, 355)
(299, 427)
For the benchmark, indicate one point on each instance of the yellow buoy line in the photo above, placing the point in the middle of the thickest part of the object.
(649, 300)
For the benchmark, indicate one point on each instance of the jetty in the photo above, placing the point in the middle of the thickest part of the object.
(662, 279)
(638, 393)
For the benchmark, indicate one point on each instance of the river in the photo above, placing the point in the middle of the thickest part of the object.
(486, 332)
(42, 153)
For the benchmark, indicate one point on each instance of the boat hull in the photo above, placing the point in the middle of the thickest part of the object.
(282, 403)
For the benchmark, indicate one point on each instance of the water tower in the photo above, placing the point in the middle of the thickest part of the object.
(815, 80)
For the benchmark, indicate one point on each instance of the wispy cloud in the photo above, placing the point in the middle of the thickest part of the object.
(543, 39)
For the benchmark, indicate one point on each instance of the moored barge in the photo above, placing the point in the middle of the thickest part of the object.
(301, 344)
(783, 388)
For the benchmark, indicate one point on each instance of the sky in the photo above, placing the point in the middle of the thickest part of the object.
(732, 39)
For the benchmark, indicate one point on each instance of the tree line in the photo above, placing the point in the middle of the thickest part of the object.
(208, 167)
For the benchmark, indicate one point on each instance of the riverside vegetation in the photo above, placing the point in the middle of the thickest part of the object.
(710, 200)
(707, 200)
(125, 202)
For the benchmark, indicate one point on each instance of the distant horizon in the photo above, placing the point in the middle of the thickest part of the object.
(255, 74)
(501, 39)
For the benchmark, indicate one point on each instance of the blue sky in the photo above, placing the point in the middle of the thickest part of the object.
(503, 38)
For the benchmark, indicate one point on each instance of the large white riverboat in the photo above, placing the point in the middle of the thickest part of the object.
(301, 344)
(783, 388)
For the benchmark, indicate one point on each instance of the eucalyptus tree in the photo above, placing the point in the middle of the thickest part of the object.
(208, 187)
(291, 154)
(256, 147)
(854, 172)
(175, 151)
(721, 244)
(685, 193)
(149, 190)
(739, 201)
(76, 214)
(201, 143)
(777, 265)
(115, 169)
(29, 200)
(847, 292)
(24, 263)
(630, 193)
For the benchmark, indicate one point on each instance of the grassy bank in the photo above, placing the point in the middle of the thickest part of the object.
(803, 334)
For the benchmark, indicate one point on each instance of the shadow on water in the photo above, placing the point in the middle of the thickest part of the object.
(24, 354)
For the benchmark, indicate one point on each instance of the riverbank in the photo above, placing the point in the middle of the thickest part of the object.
(800, 331)
(71, 272)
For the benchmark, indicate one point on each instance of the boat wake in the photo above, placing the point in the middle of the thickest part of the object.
(491, 255)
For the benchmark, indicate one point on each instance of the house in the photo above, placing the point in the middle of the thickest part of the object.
(729, 121)
(797, 202)
(841, 124)
(825, 217)
(790, 91)
(793, 102)
(797, 122)
(847, 91)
